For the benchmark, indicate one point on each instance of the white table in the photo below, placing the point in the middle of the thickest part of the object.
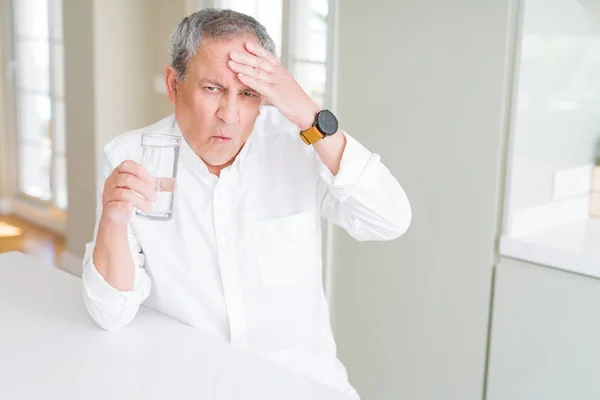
(51, 349)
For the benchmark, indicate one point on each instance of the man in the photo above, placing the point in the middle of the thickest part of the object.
(241, 256)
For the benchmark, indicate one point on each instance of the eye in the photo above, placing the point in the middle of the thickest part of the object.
(211, 89)
(247, 93)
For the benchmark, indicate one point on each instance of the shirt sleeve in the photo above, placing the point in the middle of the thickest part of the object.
(363, 198)
(110, 308)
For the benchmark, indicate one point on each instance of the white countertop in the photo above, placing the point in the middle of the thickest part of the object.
(51, 349)
(573, 246)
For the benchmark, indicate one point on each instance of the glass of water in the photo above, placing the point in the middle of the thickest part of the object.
(160, 155)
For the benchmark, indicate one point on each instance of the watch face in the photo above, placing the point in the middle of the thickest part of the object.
(327, 123)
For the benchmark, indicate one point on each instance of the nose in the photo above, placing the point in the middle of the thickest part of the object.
(228, 110)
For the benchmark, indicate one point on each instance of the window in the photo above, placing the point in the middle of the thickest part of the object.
(39, 125)
(309, 42)
(300, 31)
(267, 12)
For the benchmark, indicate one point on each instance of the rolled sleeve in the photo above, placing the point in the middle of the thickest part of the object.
(355, 161)
(364, 197)
(109, 307)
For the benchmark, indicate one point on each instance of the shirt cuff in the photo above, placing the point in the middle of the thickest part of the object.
(109, 299)
(355, 160)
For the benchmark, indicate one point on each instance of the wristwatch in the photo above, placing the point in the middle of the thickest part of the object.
(326, 124)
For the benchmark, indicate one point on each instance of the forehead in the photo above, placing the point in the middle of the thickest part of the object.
(211, 59)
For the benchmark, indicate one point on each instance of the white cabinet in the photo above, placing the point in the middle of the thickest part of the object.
(545, 338)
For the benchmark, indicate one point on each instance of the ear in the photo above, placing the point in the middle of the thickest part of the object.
(171, 83)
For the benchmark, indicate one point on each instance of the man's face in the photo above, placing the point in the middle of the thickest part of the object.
(215, 111)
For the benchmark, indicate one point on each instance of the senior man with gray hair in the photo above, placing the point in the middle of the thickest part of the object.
(241, 256)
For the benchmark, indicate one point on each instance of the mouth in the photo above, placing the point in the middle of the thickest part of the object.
(221, 139)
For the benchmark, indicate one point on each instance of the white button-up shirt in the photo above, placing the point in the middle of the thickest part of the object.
(241, 256)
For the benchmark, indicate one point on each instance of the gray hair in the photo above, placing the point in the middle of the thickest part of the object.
(211, 23)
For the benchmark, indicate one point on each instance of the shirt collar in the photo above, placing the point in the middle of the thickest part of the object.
(195, 164)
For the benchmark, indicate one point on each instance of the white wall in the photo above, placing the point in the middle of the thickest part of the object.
(557, 124)
(80, 88)
(123, 54)
(166, 14)
(424, 84)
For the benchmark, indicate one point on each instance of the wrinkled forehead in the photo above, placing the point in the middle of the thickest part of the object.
(212, 56)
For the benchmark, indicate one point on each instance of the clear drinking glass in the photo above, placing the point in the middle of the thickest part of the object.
(160, 155)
